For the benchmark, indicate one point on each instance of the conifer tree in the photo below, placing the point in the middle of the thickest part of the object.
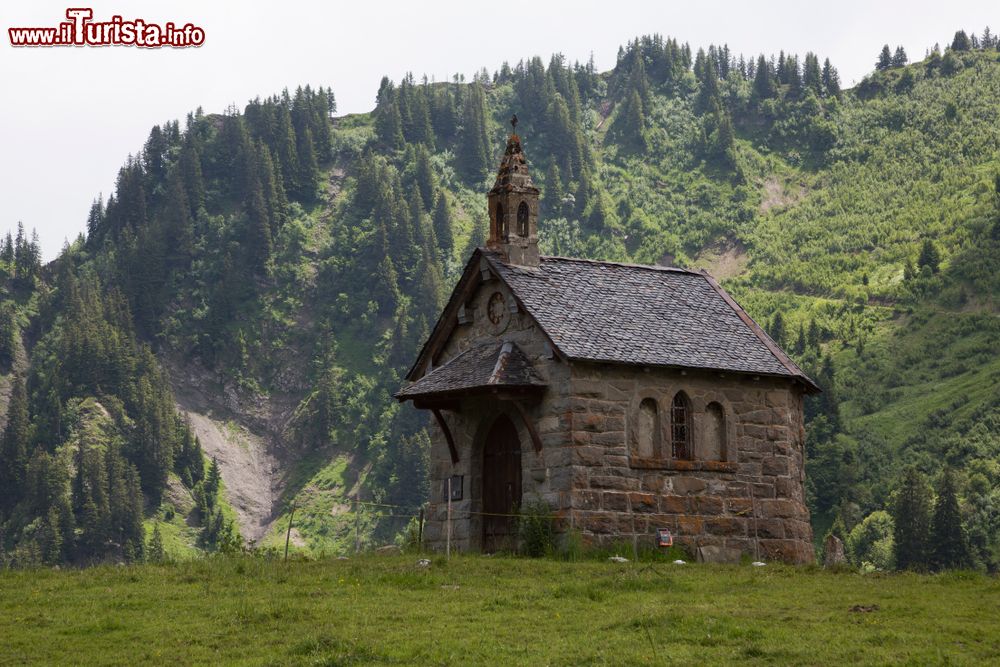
(95, 218)
(177, 222)
(155, 553)
(884, 61)
(553, 193)
(212, 482)
(473, 153)
(899, 58)
(800, 341)
(929, 256)
(949, 547)
(764, 87)
(812, 78)
(813, 336)
(778, 328)
(831, 79)
(51, 537)
(7, 251)
(707, 74)
(9, 334)
(443, 223)
(911, 516)
(424, 175)
(14, 447)
(308, 168)
(961, 42)
(633, 122)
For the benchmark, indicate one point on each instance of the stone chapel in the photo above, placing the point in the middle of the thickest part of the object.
(628, 399)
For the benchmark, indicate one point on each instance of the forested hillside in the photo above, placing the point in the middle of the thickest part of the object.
(274, 270)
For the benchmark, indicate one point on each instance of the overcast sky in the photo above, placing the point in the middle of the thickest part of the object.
(71, 116)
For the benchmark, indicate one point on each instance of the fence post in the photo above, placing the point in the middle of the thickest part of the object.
(448, 541)
(420, 530)
(288, 535)
(357, 524)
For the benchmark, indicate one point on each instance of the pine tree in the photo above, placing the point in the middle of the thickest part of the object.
(553, 193)
(190, 169)
(473, 155)
(155, 553)
(707, 74)
(9, 334)
(884, 61)
(389, 126)
(812, 77)
(7, 251)
(308, 168)
(800, 342)
(212, 482)
(813, 336)
(177, 223)
(51, 537)
(929, 256)
(777, 329)
(949, 547)
(899, 58)
(442, 223)
(961, 42)
(911, 514)
(831, 79)
(632, 122)
(95, 218)
(424, 174)
(764, 87)
(14, 447)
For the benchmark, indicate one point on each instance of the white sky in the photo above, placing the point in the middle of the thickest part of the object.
(72, 115)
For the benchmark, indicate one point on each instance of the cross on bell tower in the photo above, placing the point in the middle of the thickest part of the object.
(513, 206)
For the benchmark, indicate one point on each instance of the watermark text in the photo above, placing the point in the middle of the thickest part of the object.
(81, 30)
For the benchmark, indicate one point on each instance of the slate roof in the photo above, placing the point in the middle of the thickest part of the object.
(643, 315)
(493, 366)
(625, 314)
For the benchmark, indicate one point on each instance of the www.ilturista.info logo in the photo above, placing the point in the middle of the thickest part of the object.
(80, 30)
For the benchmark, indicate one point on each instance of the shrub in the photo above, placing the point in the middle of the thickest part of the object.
(535, 529)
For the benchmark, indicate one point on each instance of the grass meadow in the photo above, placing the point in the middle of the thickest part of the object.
(475, 610)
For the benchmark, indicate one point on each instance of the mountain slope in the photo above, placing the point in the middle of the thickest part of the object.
(286, 264)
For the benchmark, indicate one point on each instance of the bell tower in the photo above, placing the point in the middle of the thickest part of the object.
(513, 206)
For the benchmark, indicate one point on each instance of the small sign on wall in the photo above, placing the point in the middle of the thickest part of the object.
(455, 484)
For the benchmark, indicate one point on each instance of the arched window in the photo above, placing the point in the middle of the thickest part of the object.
(646, 434)
(715, 433)
(522, 219)
(680, 427)
(501, 223)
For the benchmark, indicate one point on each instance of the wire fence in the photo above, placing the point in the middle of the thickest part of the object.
(408, 521)
(380, 524)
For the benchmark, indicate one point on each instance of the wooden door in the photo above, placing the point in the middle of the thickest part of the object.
(501, 486)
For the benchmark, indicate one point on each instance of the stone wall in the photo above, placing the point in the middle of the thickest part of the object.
(544, 475)
(750, 501)
(755, 493)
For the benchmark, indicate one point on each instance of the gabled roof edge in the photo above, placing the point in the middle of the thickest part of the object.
(468, 274)
(772, 347)
(444, 324)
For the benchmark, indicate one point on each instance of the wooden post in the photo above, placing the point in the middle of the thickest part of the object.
(420, 530)
(756, 535)
(288, 535)
(448, 540)
(357, 523)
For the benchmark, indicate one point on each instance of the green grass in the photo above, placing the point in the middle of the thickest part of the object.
(476, 610)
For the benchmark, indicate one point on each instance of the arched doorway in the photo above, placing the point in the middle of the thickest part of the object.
(501, 485)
